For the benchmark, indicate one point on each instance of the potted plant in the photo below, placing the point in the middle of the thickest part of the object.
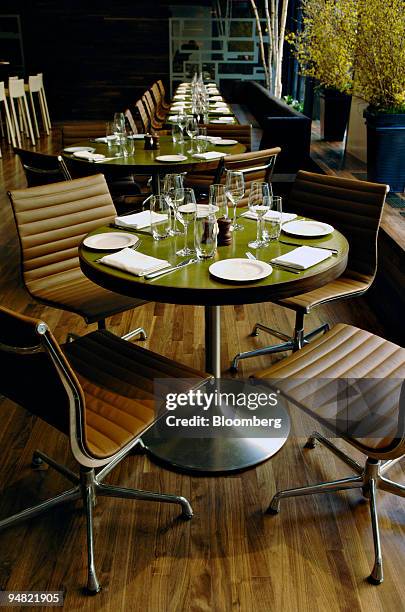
(325, 50)
(379, 67)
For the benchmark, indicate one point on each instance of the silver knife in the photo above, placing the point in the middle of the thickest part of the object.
(315, 246)
(182, 264)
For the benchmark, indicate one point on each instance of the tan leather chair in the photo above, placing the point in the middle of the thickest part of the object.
(51, 222)
(99, 392)
(256, 166)
(355, 209)
(160, 112)
(149, 104)
(370, 417)
(161, 87)
(241, 133)
(143, 117)
(75, 131)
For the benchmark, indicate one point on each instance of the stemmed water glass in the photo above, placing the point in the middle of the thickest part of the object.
(192, 130)
(186, 208)
(181, 121)
(259, 204)
(119, 123)
(235, 190)
(171, 182)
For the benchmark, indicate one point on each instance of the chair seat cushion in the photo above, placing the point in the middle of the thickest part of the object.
(308, 379)
(73, 291)
(347, 285)
(118, 378)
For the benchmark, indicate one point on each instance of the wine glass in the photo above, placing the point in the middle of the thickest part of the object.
(235, 190)
(192, 130)
(171, 182)
(181, 121)
(186, 208)
(259, 204)
(119, 123)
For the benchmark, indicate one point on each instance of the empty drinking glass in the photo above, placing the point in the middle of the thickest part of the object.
(181, 122)
(201, 140)
(119, 122)
(186, 208)
(126, 145)
(272, 220)
(217, 199)
(235, 190)
(192, 131)
(160, 216)
(109, 133)
(205, 232)
(177, 134)
(259, 204)
(170, 183)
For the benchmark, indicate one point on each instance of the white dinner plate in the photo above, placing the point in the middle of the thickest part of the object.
(240, 270)
(307, 228)
(225, 141)
(171, 158)
(76, 149)
(110, 241)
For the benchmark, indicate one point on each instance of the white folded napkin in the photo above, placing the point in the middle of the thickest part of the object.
(223, 120)
(209, 155)
(101, 139)
(88, 155)
(216, 98)
(134, 262)
(303, 257)
(220, 104)
(271, 214)
(222, 111)
(172, 118)
(212, 139)
(140, 220)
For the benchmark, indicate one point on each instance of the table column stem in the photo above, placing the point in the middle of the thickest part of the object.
(213, 340)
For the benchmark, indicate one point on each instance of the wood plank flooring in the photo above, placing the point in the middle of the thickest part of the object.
(314, 555)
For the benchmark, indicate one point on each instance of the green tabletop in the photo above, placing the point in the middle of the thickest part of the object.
(144, 161)
(195, 285)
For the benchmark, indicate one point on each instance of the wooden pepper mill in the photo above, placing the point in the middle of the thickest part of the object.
(224, 231)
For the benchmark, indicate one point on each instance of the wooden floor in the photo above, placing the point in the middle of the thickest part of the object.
(314, 555)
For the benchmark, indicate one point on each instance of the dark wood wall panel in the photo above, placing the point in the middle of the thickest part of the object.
(97, 57)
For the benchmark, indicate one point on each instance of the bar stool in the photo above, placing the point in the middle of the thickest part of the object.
(43, 97)
(16, 90)
(9, 124)
(34, 86)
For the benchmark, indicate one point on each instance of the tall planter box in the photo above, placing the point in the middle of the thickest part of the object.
(335, 111)
(386, 149)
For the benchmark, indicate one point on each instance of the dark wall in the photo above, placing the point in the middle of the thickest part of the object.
(97, 57)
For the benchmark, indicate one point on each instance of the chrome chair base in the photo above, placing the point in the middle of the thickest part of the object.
(369, 478)
(88, 485)
(291, 343)
(139, 331)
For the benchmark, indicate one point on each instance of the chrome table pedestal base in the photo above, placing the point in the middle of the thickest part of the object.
(87, 486)
(212, 455)
(368, 478)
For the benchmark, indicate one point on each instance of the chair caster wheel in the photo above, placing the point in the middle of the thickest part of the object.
(91, 592)
(310, 444)
(375, 581)
(271, 510)
(186, 516)
(36, 461)
(233, 369)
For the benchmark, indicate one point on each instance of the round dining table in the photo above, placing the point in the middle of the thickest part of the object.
(146, 161)
(193, 284)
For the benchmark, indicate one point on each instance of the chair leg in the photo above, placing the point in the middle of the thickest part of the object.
(39, 457)
(28, 513)
(88, 485)
(391, 487)
(389, 464)
(317, 437)
(112, 491)
(353, 482)
(276, 348)
(318, 330)
(139, 331)
(376, 576)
